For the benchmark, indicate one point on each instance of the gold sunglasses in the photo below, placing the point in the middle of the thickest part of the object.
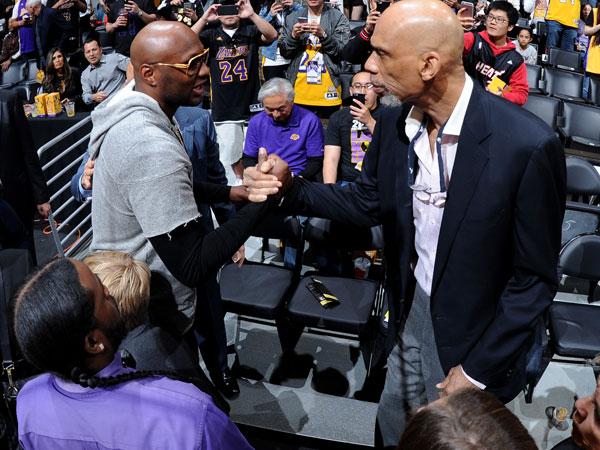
(193, 65)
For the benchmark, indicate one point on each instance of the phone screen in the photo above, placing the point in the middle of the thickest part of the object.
(302, 19)
(470, 9)
(228, 10)
(382, 6)
(359, 97)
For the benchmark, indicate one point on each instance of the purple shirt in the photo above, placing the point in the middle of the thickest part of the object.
(149, 413)
(299, 138)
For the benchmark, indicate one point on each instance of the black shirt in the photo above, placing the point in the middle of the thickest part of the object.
(233, 71)
(70, 13)
(354, 139)
(124, 35)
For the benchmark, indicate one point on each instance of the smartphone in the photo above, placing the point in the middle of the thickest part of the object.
(188, 5)
(228, 10)
(302, 19)
(382, 6)
(359, 97)
(469, 9)
(323, 295)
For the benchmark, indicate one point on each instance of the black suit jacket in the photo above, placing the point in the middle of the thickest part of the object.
(496, 263)
(52, 31)
(23, 183)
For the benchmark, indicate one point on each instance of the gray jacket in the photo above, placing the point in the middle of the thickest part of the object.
(336, 27)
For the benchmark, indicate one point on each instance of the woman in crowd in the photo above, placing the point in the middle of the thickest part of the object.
(60, 77)
(313, 39)
(586, 19)
(275, 12)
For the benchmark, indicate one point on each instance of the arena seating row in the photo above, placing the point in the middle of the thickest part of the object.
(21, 76)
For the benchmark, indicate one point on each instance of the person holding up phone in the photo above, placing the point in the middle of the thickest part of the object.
(126, 18)
(187, 12)
(358, 48)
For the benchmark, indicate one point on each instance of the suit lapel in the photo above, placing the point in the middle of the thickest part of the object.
(471, 158)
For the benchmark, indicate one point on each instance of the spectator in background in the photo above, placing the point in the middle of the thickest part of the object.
(562, 19)
(358, 48)
(51, 29)
(104, 76)
(233, 49)
(285, 129)
(125, 20)
(187, 12)
(313, 38)
(69, 10)
(349, 133)
(523, 7)
(592, 56)
(128, 282)
(524, 48)
(491, 59)
(22, 21)
(68, 326)
(60, 77)
(353, 9)
(275, 12)
(586, 19)
(470, 419)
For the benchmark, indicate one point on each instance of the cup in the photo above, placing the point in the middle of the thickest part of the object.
(70, 107)
(361, 267)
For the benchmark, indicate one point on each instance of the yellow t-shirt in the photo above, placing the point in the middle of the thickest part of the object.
(565, 12)
(314, 85)
(593, 55)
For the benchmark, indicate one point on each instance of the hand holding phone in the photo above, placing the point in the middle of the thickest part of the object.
(228, 10)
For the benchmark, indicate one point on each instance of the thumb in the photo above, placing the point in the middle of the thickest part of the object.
(262, 155)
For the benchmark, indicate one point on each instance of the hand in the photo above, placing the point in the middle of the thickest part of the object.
(191, 14)
(121, 21)
(211, 14)
(372, 19)
(6, 64)
(44, 210)
(59, 3)
(104, 7)
(315, 29)
(238, 194)
(99, 96)
(276, 8)
(176, 2)
(88, 175)
(455, 381)
(240, 256)
(132, 7)
(259, 183)
(245, 11)
(466, 20)
(362, 114)
(287, 3)
(452, 3)
(297, 30)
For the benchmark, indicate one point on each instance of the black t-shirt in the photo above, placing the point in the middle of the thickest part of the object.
(124, 35)
(354, 139)
(233, 71)
(70, 13)
(173, 12)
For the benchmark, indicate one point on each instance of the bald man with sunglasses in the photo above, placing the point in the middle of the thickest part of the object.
(144, 197)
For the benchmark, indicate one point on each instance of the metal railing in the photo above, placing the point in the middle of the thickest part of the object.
(70, 221)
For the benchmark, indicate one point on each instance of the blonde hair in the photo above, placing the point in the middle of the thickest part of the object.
(127, 280)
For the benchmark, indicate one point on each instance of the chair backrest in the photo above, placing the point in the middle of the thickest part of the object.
(562, 82)
(534, 75)
(343, 236)
(105, 39)
(565, 59)
(546, 108)
(32, 69)
(15, 73)
(582, 177)
(582, 120)
(595, 90)
(346, 79)
(580, 257)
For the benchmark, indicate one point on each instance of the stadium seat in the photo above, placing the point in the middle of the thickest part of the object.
(580, 258)
(106, 39)
(574, 329)
(595, 90)
(565, 59)
(15, 74)
(581, 130)
(549, 109)
(28, 87)
(346, 79)
(564, 84)
(534, 78)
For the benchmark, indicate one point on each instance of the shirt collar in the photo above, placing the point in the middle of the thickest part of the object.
(454, 124)
(114, 368)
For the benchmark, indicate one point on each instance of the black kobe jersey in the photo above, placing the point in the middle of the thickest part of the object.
(233, 63)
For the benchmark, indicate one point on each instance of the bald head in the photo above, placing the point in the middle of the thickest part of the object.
(162, 41)
(423, 25)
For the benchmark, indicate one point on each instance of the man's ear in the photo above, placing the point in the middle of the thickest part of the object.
(93, 342)
(510, 28)
(149, 74)
(430, 66)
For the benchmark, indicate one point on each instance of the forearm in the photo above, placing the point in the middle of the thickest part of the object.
(207, 192)
(249, 161)
(14, 24)
(269, 33)
(81, 6)
(111, 27)
(330, 168)
(147, 18)
(313, 167)
(590, 31)
(199, 25)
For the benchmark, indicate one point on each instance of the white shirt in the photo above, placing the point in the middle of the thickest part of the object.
(427, 216)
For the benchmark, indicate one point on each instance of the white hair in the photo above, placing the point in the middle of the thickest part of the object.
(32, 3)
(276, 86)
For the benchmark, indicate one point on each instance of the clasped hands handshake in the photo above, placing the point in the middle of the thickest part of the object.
(270, 177)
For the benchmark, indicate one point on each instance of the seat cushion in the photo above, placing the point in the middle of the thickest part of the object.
(254, 289)
(350, 316)
(574, 329)
(576, 223)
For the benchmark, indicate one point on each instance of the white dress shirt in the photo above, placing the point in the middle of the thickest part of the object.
(428, 213)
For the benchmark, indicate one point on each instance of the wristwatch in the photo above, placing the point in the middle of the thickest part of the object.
(140, 12)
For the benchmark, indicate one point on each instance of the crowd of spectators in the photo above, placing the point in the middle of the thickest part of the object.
(276, 86)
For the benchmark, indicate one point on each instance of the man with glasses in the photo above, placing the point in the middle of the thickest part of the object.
(492, 59)
(350, 131)
(144, 196)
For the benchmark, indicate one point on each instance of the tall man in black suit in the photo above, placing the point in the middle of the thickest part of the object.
(470, 190)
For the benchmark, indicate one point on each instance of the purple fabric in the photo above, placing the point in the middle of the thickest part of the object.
(149, 413)
(300, 138)
(26, 33)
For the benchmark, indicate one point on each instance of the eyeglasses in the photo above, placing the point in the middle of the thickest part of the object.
(498, 20)
(425, 195)
(193, 65)
(358, 86)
